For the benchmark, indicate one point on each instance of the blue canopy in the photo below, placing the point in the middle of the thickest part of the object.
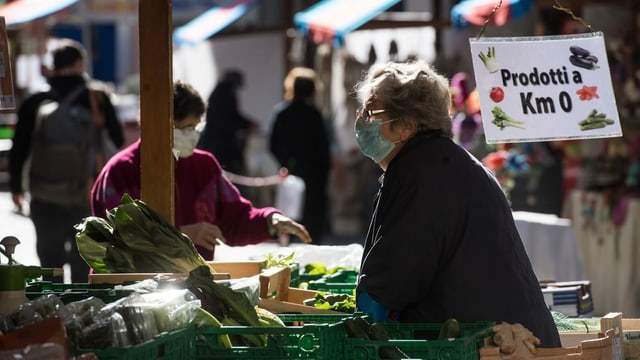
(331, 20)
(211, 22)
(22, 11)
(475, 12)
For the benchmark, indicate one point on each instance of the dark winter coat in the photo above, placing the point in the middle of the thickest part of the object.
(443, 244)
(62, 86)
(225, 133)
(300, 142)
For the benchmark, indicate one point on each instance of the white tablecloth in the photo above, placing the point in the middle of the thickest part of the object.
(551, 245)
(332, 255)
(610, 253)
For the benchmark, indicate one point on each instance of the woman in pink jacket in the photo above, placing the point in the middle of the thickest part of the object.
(208, 208)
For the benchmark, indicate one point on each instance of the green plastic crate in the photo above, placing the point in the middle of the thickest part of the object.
(295, 275)
(320, 341)
(340, 282)
(308, 277)
(75, 292)
(420, 341)
(175, 345)
(301, 319)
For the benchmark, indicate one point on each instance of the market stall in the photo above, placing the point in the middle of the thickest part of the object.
(609, 249)
(144, 320)
(551, 245)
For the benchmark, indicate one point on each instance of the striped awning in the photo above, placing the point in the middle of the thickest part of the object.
(476, 12)
(22, 11)
(331, 20)
(211, 22)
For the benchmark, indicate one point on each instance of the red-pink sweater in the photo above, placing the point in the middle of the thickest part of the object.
(202, 193)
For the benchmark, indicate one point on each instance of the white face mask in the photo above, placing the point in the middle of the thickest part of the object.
(184, 141)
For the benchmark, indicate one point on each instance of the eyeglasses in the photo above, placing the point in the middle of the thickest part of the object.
(364, 115)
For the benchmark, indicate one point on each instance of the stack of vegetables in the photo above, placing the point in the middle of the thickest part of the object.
(135, 238)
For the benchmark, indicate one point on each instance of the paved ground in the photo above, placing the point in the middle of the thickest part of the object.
(20, 226)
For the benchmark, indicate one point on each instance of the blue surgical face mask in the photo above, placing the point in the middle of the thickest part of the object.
(371, 141)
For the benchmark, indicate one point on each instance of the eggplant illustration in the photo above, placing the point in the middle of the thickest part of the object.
(581, 62)
(583, 58)
(578, 51)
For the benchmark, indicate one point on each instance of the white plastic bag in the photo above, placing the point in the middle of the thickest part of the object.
(290, 197)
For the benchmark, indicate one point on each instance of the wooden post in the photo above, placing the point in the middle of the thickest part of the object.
(156, 105)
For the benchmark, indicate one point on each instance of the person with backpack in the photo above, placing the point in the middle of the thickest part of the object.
(59, 139)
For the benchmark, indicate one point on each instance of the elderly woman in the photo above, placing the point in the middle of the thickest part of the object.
(208, 207)
(442, 242)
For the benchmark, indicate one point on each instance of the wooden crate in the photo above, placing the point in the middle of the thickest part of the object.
(122, 278)
(238, 269)
(631, 338)
(610, 321)
(278, 297)
(601, 348)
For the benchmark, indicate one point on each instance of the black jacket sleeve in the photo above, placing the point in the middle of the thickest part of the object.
(21, 143)
(112, 124)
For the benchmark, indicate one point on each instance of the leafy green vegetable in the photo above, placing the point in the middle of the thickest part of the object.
(315, 268)
(231, 308)
(320, 268)
(204, 319)
(337, 302)
(135, 239)
(502, 120)
(278, 260)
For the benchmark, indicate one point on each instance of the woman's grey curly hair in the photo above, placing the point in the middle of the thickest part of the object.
(410, 91)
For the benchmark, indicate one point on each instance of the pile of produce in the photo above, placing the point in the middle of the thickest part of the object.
(92, 324)
(337, 302)
(135, 238)
(222, 306)
(360, 328)
(319, 268)
(149, 311)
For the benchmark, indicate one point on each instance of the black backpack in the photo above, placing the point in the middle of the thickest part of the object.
(63, 141)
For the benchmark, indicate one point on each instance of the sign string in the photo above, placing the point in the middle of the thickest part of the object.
(489, 18)
(558, 7)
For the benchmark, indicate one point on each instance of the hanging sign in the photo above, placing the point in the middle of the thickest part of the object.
(545, 88)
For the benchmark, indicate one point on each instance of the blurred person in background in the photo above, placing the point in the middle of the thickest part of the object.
(61, 170)
(300, 142)
(208, 208)
(442, 242)
(226, 129)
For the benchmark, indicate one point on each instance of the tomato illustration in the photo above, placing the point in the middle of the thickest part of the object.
(496, 94)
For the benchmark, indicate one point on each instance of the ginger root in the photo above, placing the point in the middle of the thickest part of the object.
(515, 340)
